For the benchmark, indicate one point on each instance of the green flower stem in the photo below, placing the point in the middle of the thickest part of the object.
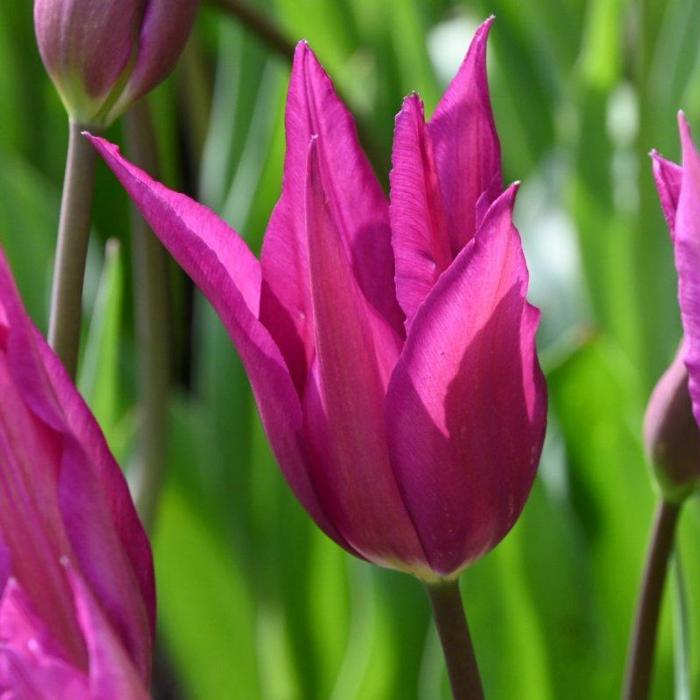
(151, 310)
(640, 660)
(71, 250)
(451, 623)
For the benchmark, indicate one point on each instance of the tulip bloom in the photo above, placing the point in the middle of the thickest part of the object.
(103, 56)
(671, 425)
(78, 604)
(391, 348)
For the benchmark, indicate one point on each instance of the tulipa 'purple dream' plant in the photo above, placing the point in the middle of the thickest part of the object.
(77, 607)
(671, 424)
(391, 348)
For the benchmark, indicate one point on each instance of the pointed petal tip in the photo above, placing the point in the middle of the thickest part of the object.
(411, 103)
(684, 128)
(509, 194)
(482, 31)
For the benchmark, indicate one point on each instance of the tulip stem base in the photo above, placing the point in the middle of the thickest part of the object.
(451, 623)
(640, 659)
(71, 249)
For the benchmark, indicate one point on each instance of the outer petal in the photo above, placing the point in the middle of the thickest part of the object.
(467, 150)
(227, 273)
(103, 529)
(165, 29)
(112, 676)
(356, 351)
(466, 404)
(687, 254)
(362, 215)
(667, 176)
(418, 226)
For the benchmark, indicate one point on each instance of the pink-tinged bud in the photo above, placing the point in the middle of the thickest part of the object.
(77, 596)
(671, 434)
(391, 348)
(102, 56)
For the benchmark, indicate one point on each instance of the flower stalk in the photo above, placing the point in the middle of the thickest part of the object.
(71, 250)
(640, 660)
(151, 308)
(451, 623)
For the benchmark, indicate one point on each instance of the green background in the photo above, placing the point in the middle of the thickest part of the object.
(254, 603)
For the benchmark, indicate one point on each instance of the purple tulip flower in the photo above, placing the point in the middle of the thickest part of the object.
(104, 55)
(77, 607)
(390, 348)
(671, 429)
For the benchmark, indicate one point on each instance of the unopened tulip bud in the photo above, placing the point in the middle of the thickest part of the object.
(102, 56)
(671, 434)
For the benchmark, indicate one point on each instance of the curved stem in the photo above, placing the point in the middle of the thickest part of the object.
(640, 660)
(71, 249)
(452, 627)
(151, 309)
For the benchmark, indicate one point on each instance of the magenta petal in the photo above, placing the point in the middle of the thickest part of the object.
(667, 176)
(122, 571)
(466, 405)
(101, 559)
(228, 274)
(31, 665)
(467, 150)
(362, 214)
(418, 226)
(355, 352)
(687, 255)
(112, 676)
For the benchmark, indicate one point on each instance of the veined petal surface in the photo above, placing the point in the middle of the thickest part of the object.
(466, 405)
(687, 256)
(360, 210)
(356, 351)
(466, 145)
(422, 248)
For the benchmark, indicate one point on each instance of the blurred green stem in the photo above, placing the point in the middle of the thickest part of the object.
(259, 24)
(71, 249)
(151, 308)
(640, 660)
(451, 623)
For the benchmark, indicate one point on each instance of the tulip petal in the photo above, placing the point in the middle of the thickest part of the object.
(687, 256)
(361, 213)
(102, 527)
(228, 274)
(418, 226)
(465, 408)
(467, 150)
(355, 353)
(667, 176)
(31, 664)
(165, 28)
(112, 676)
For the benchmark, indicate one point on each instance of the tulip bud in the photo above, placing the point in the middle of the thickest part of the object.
(671, 434)
(103, 56)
